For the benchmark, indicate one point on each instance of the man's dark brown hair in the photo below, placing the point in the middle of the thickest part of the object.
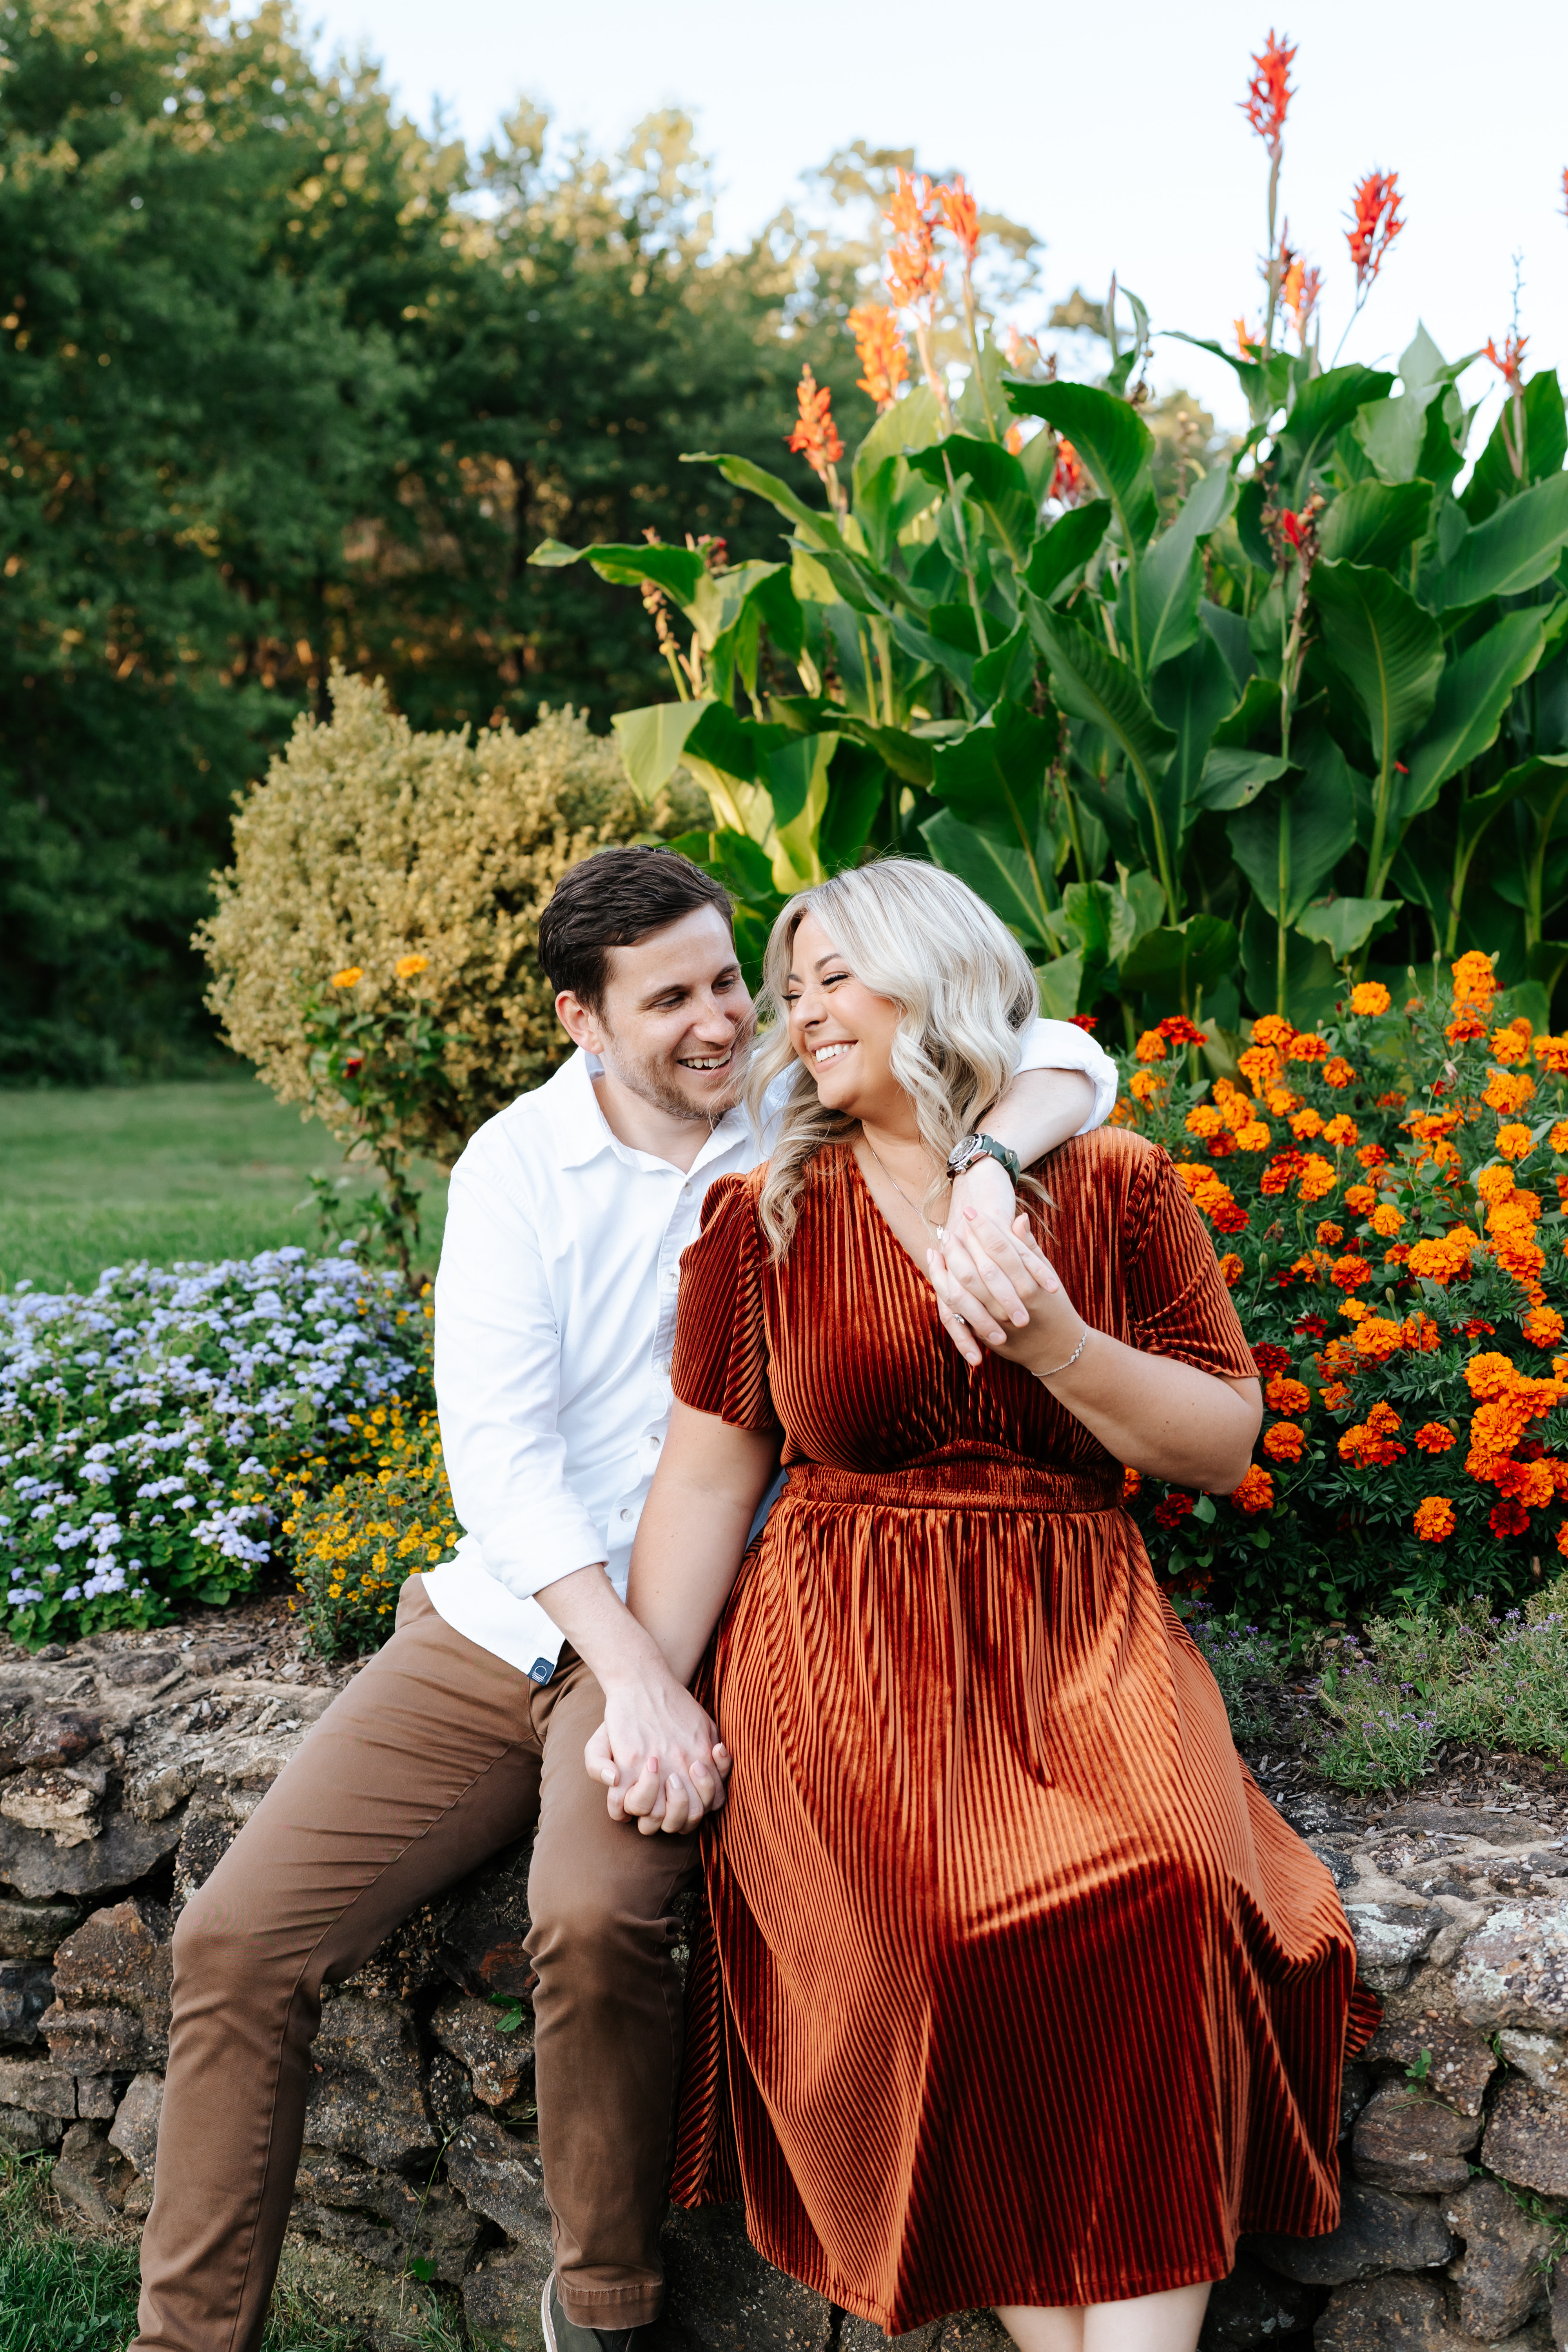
(612, 900)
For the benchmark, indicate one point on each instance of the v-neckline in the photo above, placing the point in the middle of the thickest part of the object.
(860, 1178)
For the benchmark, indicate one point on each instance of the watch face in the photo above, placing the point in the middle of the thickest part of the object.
(963, 1153)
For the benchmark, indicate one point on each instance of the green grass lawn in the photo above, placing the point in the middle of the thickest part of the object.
(212, 1169)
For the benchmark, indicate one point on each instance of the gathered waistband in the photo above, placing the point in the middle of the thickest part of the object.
(976, 1482)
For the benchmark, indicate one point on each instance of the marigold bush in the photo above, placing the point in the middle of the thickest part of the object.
(370, 847)
(356, 1540)
(1404, 1288)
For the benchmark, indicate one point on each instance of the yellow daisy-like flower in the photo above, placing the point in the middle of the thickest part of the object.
(409, 967)
(350, 974)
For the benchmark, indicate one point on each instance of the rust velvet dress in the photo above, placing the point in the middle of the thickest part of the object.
(1016, 1989)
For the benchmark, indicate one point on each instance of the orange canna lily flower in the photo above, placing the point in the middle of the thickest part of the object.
(816, 436)
(1069, 474)
(1375, 223)
(962, 218)
(879, 348)
(1268, 93)
(1510, 360)
(914, 275)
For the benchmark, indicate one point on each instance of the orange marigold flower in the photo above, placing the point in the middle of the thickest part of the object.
(1420, 1333)
(1510, 1045)
(1475, 981)
(1151, 1048)
(1370, 996)
(1203, 1120)
(1286, 1395)
(816, 436)
(1342, 1132)
(1253, 1136)
(1464, 1029)
(1360, 1199)
(1145, 1085)
(879, 348)
(1268, 93)
(1370, 1444)
(1398, 1255)
(1231, 1266)
(1444, 1257)
(1177, 1029)
(1395, 1101)
(1335, 1394)
(1331, 1234)
(1375, 222)
(1318, 1178)
(1495, 1184)
(1552, 1053)
(1515, 1142)
(1373, 1156)
(1508, 1518)
(1348, 1274)
(1272, 1029)
(1255, 1492)
(1281, 1101)
(1378, 1338)
(1509, 1091)
(1284, 1440)
(1337, 1072)
(1354, 1309)
(1281, 1171)
(1435, 1518)
(350, 976)
(1490, 1374)
(1386, 1220)
(1308, 1048)
(1558, 1140)
(1259, 1065)
(1543, 1326)
(1306, 1124)
(1432, 1438)
(409, 967)
(1130, 1482)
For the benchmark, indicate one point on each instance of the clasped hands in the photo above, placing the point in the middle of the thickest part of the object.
(995, 1284)
(658, 1755)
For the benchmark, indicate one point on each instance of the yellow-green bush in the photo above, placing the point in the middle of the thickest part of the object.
(355, 1541)
(367, 844)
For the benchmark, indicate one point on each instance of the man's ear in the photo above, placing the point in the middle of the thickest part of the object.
(583, 1028)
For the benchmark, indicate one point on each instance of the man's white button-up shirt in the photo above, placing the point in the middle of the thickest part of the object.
(554, 1335)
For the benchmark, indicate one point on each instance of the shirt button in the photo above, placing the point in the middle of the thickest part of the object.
(625, 1515)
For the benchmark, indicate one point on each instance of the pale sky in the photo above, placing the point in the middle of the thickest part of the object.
(1113, 132)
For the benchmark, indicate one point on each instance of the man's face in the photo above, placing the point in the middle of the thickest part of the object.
(675, 1024)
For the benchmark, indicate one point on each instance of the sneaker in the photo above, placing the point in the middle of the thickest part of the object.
(563, 2335)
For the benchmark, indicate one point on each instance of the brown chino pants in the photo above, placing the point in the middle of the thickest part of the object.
(436, 1756)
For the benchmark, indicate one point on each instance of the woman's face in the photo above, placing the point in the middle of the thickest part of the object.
(842, 1032)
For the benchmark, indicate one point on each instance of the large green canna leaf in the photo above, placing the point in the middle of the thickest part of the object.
(1181, 958)
(1266, 384)
(912, 423)
(653, 740)
(1515, 548)
(1007, 670)
(1386, 646)
(1475, 690)
(1545, 447)
(1008, 881)
(1409, 437)
(679, 570)
(909, 756)
(1060, 984)
(1168, 584)
(997, 484)
(1060, 553)
(1345, 925)
(1191, 695)
(1228, 631)
(821, 530)
(1321, 409)
(1113, 442)
(1290, 839)
(1375, 522)
(892, 497)
(1232, 780)
(1091, 683)
(1312, 979)
(992, 778)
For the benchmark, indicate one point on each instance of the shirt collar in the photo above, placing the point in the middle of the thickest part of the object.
(582, 1131)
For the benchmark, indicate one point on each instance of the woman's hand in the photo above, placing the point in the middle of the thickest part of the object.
(659, 1755)
(1000, 1284)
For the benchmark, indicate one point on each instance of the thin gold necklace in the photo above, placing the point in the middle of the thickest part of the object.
(898, 1188)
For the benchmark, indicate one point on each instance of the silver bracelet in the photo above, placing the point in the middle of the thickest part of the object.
(1071, 1360)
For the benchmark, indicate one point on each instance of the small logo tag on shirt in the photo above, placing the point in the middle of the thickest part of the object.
(541, 1671)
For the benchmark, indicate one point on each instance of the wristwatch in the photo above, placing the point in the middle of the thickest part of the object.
(970, 1148)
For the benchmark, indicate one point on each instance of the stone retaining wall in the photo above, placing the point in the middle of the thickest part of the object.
(124, 1773)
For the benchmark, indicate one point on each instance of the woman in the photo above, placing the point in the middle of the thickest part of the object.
(1019, 1994)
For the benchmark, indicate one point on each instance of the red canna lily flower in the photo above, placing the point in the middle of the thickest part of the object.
(1510, 360)
(1299, 297)
(961, 217)
(879, 348)
(816, 436)
(1268, 93)
(1069, 473)
(1290, 524)
(1375, 224)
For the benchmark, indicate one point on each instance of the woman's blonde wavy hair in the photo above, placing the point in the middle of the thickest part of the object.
(964, 990)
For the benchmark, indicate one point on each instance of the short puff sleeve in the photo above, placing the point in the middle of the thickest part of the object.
(1177, 1300)
(721, 1337)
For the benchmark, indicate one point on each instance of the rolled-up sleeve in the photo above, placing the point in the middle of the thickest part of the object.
(498, 1376)
(1063, 1046)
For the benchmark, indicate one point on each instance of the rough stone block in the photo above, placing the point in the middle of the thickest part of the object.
(1378, 2231)
(124, 1955)
(367, 2096)
(1559, 2307)
(1527, 2137)
(451, 2093)
(127, 1850)
(499, 2177)
(98, 2097)
(970, 2331)
(499, 2065)
(1540, 2059)
(317, 2282)
(1424, 2015)
(1409, 2141)
(1253, 2306)
(35, 1931)
(482, 1945)
(25, 1991)
(859, 2335)
(37, 2084)
(59, 1736)
(54, 1804)
(21, 2133)
(205, 1839)
(408, 1962)
(1514, 1970)
(1500, 2275)
(1385, 2315)
(152, 1795)
(1390, 1938)
(402, 2220)
(100, 2041)
(91, 2177)
(1357, 2083)
(135, 2127)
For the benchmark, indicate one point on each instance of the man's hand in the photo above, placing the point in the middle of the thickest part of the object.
(659, 1755)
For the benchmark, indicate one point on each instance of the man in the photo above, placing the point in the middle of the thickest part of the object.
(554, 1328)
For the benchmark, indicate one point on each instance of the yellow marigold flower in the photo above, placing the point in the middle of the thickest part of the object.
(1204, 1120)
(1386, 1220)
(1306, 1124)
(1342, 1132)
(1252, 1136)
(1435, 1518)
(1354, 1309)
(1360, 1199)
(409, 967)
(1260, 1066)
(1495, 1184)
(350, 975)
(1558, 1140)
(1370, 996)
(1151, 1048)
(1515, 1142)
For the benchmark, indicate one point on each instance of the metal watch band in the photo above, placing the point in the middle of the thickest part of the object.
(970, 1148)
